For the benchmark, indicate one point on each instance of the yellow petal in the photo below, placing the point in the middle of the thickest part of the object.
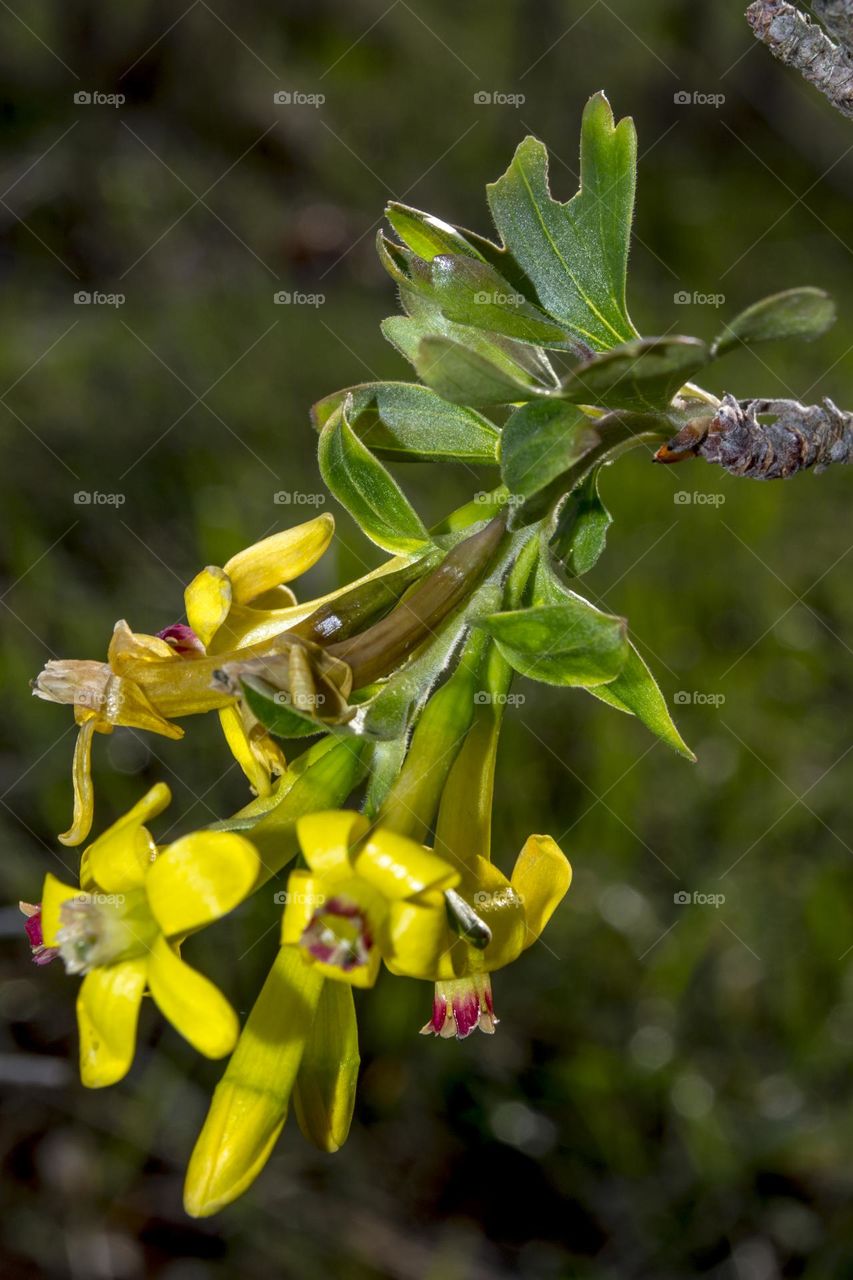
(120, 858)
(199, 878)
(362, 975)
(303, 895)
(257, 754)
(193, 1005)
(420, 942)
(53, 894)
(129, 647)
(207, 600)
(500, 905)
(250, 1104)
(84, 796)
(326, 838)
(324, 1096)
(278, 559)
(125, 703)
(399, 867)
(541, 877)
(107, 1013)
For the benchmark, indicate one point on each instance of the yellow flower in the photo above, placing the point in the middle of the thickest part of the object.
(149, 681)
(366, 892)
(123, 926)
(300, 1041)
(495, 920)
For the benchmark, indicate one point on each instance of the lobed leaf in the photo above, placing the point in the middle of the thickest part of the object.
(575, 253)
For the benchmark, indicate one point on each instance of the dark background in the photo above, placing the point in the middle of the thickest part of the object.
(668, 1094)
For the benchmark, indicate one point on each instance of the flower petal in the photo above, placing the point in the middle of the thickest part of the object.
(200, 878)
(121, 858)
(53, 894)
(207, 600)
(193, 1005)
(326, 838)
(541, 877)
(304, 894)
(324, 1096)
(399, 867)
(278, 559)
(107, 1014)
(81, 775)
(257, 754)
(250, 1104)
(419, 941)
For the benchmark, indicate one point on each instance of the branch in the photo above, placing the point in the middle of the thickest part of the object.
(800, 44)
(799, 437)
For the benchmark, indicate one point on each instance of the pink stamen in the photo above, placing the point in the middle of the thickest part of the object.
(32, 927)
(181, 638)
(346, 949)
(460, 1006)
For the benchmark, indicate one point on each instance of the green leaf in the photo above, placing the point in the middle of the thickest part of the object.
(526, 368)
(276, 715)
(570, 643)
(580, 531)
(642, 374)
(462, 376)
(401, 420)
(576, 254)
(428, 236)
(471, 292)
(797, 313)
(541, 440)
(636, 692)
(361, 484)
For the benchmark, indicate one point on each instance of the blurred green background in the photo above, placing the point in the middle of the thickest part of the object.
(668, 1094)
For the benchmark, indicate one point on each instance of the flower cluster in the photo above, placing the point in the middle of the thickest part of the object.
(369, 891)
(390, 692)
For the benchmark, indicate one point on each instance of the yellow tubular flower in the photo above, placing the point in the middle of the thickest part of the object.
(251, 1101)
(362, 888)
(149, 681)
(324, 1096)
(123, 926)
(514, 913)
